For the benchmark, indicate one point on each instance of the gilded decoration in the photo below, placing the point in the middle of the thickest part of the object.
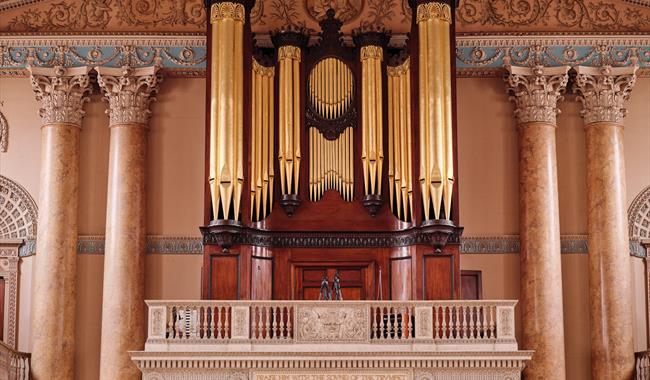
(603, 92)
(536, 92)
(433, 11)
(129, 93)
(226, 10)
(61, 93)
(289, 52)
(372, 52)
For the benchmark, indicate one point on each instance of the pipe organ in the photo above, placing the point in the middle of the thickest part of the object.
(342, 120)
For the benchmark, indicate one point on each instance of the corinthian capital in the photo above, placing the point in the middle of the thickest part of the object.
(536, 91)
(603, 92)
(129, 92)
(61, 93)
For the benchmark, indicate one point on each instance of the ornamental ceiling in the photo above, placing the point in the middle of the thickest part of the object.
(189, 16)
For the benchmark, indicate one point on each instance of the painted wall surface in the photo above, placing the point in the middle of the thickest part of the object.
(488, 180)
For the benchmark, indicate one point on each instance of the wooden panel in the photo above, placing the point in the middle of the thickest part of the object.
(225, 276)
(438, 277)
(400, 278)
(471, 285)
(261, 278)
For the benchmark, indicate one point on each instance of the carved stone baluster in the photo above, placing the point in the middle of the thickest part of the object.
(277, 318)
(226, 320)
(290, 311)
(267, 322)
(435, 322)
(217, 324)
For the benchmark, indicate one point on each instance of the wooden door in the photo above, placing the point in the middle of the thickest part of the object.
(356, 280)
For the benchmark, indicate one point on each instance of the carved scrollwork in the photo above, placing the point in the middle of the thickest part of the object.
(332, 324)
(129, 93)
(536, 91)
(603, 92)
(4, 133)
(62, 93)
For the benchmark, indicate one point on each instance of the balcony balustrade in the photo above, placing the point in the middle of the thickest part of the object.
(306, 339)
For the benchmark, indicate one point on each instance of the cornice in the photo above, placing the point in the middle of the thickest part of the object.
(12, 4)
(157, 40)
(510, 40)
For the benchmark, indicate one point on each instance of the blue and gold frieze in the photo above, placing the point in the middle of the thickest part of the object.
(186, 55)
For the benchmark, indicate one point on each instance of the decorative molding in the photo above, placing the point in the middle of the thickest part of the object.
(357, 365)
(18, 211)
(9, 258)
(185, 55)
(226, 10)
(169, 245)
(61, 93)
(433, 11)
(129, 92)
(603, 92)
(638, 215)
(4, 133)
(536, 91)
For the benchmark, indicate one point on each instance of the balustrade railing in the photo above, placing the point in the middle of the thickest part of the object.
(642, 365)
(245, 325)
(14, 365)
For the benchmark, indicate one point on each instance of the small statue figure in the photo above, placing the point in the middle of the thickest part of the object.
(325, 293)
(336, 287)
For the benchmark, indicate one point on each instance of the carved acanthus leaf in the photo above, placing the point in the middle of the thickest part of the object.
(536, 91)
(603, 92)
(129, 92)
(61, 92)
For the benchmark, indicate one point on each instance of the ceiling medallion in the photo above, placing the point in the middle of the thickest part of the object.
(344, 10)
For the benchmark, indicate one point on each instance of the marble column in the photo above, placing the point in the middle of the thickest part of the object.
(129, 93)
(535, 92)
(603, 91)
(61, 94)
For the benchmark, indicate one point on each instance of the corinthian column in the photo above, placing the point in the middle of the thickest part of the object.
(603, 92)
(61, 94)
(129, 93)
(535, 92)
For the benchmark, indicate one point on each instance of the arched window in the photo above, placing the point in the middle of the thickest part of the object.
(17, 211)
(639, 215)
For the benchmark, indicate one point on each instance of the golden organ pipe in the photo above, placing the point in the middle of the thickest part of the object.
(226, 109)
(261, 140)
(289, 157)
(371, 120)
(449, 140)
(254, 124)
(400, 131)
(391, 126)
(436, 174)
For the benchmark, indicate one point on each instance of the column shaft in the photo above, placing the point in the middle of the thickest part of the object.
(61, 93)
(123, 308)
(610, 284)
(55, 273)
(536, 92)
(129, 93)
(541, 264)
(603, 91)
